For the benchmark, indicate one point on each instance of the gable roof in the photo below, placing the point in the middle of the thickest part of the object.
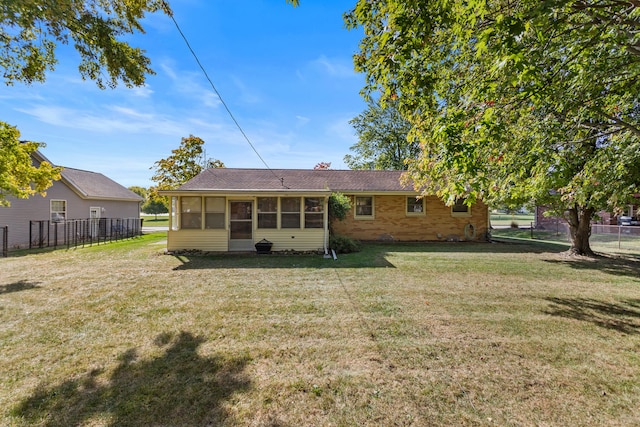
(92, 185)
(299, 180)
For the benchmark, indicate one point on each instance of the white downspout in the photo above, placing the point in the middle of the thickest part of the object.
(326, 226)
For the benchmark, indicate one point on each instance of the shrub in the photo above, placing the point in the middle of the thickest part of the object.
(344, 245)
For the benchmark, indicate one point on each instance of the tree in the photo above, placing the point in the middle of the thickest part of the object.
(513, 102)
(382, 139)
(322, 166)
(18, 176)
(140, 191)
(155, 206)
(184, 163)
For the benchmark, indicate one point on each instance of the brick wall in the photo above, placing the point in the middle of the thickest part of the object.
(391, 222)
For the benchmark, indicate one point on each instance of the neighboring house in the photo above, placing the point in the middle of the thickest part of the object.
(629, 216)
(78, 194)
(232, 209)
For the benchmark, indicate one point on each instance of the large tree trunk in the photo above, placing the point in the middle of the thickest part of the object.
(579, 219)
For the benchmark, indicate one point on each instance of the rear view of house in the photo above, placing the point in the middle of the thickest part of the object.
(79, 194)
(232, 209)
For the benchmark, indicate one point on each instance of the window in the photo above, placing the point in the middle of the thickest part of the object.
(214, 212)
(313, 212)
(415, 206)
(290, 212)
(174, 213)
(191, 212)
(460, 209)
(267, 212)
(364, 207)
(58, 210)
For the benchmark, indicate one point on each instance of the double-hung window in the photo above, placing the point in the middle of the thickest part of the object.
(290, 212)
(415, 206)
(191, 212)
(313, 212)
(267, 212)
(459, 208)
(214, 212)
(58, 210)
(364, 207)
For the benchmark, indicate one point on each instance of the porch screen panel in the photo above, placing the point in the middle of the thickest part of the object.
(313, 212)
(267, 212)
(191, 212)
(214, 212)
(290, 212)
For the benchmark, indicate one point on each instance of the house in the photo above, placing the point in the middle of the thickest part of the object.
(232, 209)
(630, 215)
(79, 194)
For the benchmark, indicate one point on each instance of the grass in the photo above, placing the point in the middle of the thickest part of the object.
(432, 334)
(506, 220)
(153, 221)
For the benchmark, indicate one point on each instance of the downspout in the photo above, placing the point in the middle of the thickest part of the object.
(326, 226)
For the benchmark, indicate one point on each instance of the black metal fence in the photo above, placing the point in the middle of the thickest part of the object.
(82, 232)
(4, 238)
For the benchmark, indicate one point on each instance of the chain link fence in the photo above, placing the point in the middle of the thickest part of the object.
(604, 238)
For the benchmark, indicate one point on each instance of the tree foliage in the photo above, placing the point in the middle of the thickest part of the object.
(31, 30)
(513, 102)
(140, 191)
(155, 205)
(322, 166)
(382, 139)
(19, 177)
(184, 163)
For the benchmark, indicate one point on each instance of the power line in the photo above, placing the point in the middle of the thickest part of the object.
(184, 37)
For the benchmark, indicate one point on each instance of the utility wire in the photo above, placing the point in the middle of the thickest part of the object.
(170, 13)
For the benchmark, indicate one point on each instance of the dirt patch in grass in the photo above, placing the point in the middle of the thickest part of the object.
(394, 335)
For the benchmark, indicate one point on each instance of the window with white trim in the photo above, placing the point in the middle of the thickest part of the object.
(267, 212)
(58, 209)
(364, 207)
(459, 208)
(214, 208)
(415, 206)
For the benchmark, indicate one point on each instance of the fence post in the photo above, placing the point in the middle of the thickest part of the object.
(5, 241)
(619, 235)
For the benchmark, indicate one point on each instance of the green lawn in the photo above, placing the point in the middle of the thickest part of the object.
(511, 333)
(501, 220)
(153, 221)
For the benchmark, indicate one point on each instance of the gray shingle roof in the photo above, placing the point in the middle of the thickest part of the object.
(93, 185)
(296, 180)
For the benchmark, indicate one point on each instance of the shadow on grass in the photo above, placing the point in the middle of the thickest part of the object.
(623, 316)
(19, 286)
(372, 255)
(178, 388)
(614, 265)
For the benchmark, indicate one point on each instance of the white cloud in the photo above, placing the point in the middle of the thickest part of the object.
(114, 119)
(302, 120)
(335, 67)
(189, 85)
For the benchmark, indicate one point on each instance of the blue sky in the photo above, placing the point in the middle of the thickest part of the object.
(285, 73)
